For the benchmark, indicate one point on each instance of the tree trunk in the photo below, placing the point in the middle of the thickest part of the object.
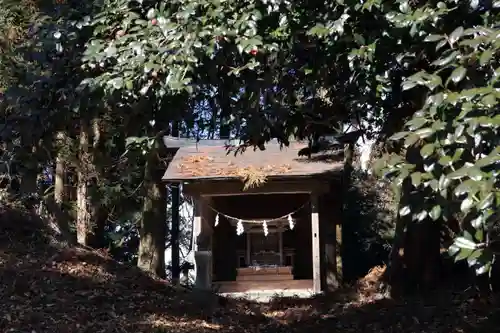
(422, 254)
(99, 213)
(394, 271)
(55, 206)
(346, 183)
(90, 215)
(59, 189)
(85, 213)
(153, 225)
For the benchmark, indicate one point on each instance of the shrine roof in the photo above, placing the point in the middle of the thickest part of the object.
(211, 160)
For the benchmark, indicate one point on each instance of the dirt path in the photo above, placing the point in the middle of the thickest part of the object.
(44, 289)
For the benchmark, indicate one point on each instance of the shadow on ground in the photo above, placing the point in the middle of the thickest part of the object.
(47, 287)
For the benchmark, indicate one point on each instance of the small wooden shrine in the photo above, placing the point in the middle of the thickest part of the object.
(277, 235)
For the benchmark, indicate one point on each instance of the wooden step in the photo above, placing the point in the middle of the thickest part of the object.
(250, 286)
(264, 270)
(265, 277)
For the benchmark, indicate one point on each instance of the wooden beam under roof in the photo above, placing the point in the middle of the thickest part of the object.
(213, 188)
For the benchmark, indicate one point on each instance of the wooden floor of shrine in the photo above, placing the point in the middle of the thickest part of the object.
(252, 286)
(266, 279)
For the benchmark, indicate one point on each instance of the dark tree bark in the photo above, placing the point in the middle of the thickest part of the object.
(153, 224)
(84, 212)
(346, 183)
(422, 254)
(89, 220)
(394, 270)
(56, 205)
(414, 262)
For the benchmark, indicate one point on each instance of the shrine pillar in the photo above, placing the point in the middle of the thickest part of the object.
(202, 247)
(316, 259)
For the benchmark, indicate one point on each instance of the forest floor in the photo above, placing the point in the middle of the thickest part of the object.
(46, 288)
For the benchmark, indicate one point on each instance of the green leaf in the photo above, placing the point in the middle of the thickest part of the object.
(416, 178)
(459, 130)
(434, 184)
(468, 187)
(464, 243)
(319, 30)
(404, 211)
(466, 204)
(421, 216)
(416, 123)
(441, 44)
(486, 202)
(359, 39)
(463, 254)
(458, 153)
(433, 38)
(445, 160)
(117, 83)
(151, 13)
(443, 182)
(411, 139)
(477, 222)
(479, 235)
(457, 174)
(129, 84)
(407, 85)
(488, 160)
(475, 173)
(484, 267)
(472, 258)
(458, 74)
(489, 100)
(424, 132)
(435, 212)
(453, 250)
(427, 150)
(456, 35)
(436, 99)
(446, 60)
(485, 57)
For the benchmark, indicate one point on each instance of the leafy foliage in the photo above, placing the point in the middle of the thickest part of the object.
(452, 145)
(390, 60)
(261, 70)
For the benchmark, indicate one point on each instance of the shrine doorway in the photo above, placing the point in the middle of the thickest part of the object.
(262, 242)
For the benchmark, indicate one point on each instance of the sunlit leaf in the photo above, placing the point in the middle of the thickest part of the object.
(427, 150)
(435, 212)
(433, 38)
(464, 243)
(416, 178)
(456, 34)
(466, 204)
(485, 57)
(458, 74)
(446, 60)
